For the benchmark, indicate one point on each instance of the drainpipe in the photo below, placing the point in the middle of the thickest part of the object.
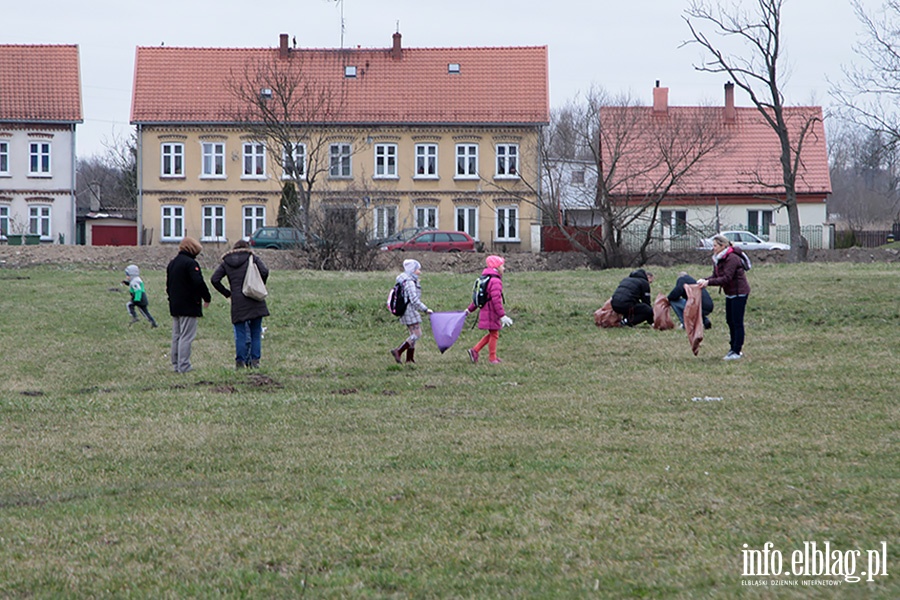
(70, 237)
(140, 185)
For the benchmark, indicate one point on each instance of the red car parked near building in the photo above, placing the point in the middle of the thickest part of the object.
(436, 241)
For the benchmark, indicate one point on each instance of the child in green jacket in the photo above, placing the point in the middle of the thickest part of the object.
(138, 295)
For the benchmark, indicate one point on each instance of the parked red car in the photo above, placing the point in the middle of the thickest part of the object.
(436, 241)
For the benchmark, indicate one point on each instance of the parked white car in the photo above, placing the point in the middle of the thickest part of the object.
(746, 240)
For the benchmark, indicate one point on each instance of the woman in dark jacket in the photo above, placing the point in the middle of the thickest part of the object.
(730, 275)
(246, 313)
(188, 295)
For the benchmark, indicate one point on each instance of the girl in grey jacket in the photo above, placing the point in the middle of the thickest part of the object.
(412, 289)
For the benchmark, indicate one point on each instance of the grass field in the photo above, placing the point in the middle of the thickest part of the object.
(592, 463)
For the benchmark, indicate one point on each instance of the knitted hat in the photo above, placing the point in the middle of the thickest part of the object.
(410, 266)
(493, 261)
(191, 246)
(132, 271)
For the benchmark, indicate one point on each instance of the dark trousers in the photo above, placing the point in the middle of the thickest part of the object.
(141, 307)
(635, 314)
(735, 306)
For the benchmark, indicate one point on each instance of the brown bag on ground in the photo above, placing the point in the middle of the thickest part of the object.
(662, 318)
(693, 316)
(606, 317)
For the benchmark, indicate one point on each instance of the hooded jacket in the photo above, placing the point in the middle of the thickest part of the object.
(632, 290)
(185, 286)
(234, 266)
(136, 285)
(492, 311)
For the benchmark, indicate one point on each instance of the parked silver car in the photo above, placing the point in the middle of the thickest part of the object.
(746, 240)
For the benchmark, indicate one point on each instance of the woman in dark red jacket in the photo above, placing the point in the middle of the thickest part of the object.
(730, 275)
(492, 316)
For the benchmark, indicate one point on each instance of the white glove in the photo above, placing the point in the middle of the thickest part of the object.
(505, 321)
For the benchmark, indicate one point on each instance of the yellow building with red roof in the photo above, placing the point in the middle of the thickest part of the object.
(437, 137)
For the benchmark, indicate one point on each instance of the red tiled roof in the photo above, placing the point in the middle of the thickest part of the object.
(751, 152)
(40, 83)
(493, 86)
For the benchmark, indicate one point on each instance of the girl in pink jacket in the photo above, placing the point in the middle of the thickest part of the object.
(492, 316)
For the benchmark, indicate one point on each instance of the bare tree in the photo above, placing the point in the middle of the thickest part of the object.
(871, 90)
(754, 66)
(299, 118)
(281, 103)
(865, 178)
(628, 162)
(109, 181)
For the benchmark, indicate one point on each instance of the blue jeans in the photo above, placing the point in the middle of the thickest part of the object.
(248, 340)
(678, 307)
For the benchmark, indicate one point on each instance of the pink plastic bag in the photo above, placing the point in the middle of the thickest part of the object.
(606, 317)
(662, 318)
(693, 318)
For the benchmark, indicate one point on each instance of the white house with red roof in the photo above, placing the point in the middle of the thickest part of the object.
(737, 185)
(437, 137)
(40, 106)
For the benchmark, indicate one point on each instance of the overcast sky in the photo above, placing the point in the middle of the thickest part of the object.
(622, 47)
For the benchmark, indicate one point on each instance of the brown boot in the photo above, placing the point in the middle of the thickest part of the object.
(411, 355)
(398, 352)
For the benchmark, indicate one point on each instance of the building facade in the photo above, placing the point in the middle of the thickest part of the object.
(40, 106)
(444, 138)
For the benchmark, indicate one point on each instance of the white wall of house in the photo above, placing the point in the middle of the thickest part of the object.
(37, 181)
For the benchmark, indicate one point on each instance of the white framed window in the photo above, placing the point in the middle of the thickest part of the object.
(4, 221)
(507, 224)
(172, 224)
(293, 161)
(385, 160)
(426, 161)
(172, 159)
(385, 221)
(427, 216)
(4, 157)
(39, 159)
(508, 161)
(466, 161)
(339, 165)
(254, 160)
(213, 225)
(760, 221)
(254, 218)
(467, 220)
(213, 160)
(39, 221)
(673, 222)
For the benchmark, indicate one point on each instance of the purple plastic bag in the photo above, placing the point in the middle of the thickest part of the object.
(446, 327)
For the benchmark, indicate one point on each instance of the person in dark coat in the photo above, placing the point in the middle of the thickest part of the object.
(188, 296)
(632, 298)
(246, 313)
(678, 299)
(729, 274)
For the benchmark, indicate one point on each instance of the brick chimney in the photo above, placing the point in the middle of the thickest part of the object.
(283, 50)
(729, 103)
(396, 51)
(660, 99)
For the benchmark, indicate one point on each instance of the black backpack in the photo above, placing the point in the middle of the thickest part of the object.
(480, 291)
(397, 301)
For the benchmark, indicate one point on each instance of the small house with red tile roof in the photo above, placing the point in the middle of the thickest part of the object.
(40, 106)
(413, 137)
(737, 185)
